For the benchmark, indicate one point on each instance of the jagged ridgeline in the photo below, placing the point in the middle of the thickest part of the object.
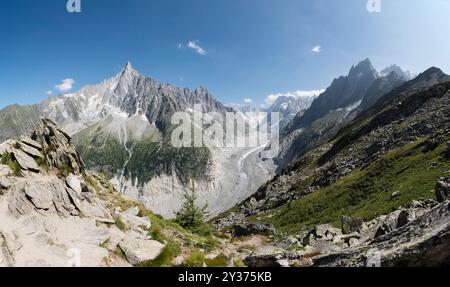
(122, 126)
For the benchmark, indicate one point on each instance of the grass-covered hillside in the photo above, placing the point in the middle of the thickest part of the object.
(387, 157)
(395, 179)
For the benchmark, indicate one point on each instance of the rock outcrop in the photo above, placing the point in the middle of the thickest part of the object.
(253, 229)
(350, 225)
(138, 251)
(51, 213)
(443, 189)
(423, 242)
(417, 235)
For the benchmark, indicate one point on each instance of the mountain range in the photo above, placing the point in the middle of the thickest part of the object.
(121, 127)
(362, 171)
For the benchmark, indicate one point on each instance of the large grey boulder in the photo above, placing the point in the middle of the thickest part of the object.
(115, 237)
(29, 142)
(133, 222)
(138, 250)
(271, 256)
(442, 189)
(254, 229)
(76, 183)
(31, 151)
(350, 224)
(388, 223)
(40, 196)
(25, 161)
(133, 211)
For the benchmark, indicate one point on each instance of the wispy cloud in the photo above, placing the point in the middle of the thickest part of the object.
(297, 94)
(195, 45)
(49, 92)
(317, 49)
(248, 101)
(66, 85)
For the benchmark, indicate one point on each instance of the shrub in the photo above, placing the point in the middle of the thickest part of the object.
(119, 223)
(157, 234)
(15, 167)
(171, 251)
(196, 259)
(220, 261)
(8, 160)
(65, 169)
(6, 157)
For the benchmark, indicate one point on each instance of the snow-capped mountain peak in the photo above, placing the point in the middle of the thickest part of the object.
(405, 75)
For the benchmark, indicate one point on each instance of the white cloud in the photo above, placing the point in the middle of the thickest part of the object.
(317, 49)
(195, 45)
(66, 85)
(248, 101)
(49, 92)
(180, 46)
(297, 94)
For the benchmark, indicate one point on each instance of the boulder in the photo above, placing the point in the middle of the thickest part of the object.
(442, 189)
(326, 232)
(133, 211)
(388, 223)
(271, 256)
(40, 196)
(28, 141)
(76, 183)
(406, 216)
(25, 161)
(288, 242)
(31, 151)
(323, 247)
(133, 222)
(254, 229)
(268, 250)
(350, 224)
(115, 237)
(138, 251)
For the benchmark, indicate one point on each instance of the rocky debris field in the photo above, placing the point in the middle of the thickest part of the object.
(417, 235)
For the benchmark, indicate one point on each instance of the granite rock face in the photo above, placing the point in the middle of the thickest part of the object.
(51, 214)
(443, 189)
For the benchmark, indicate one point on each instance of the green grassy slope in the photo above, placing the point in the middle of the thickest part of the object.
(411, 171)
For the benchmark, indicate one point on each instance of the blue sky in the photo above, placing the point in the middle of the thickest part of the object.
(251, 48)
